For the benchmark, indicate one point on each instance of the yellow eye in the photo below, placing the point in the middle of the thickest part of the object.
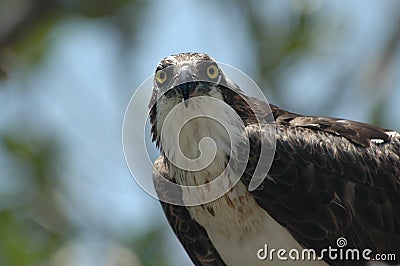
(161, 76)
(212, 71)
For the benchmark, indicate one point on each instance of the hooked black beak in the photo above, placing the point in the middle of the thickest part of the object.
(185, 90)
(184, 83)
(185, 95)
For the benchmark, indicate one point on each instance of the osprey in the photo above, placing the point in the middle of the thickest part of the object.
(330, 178)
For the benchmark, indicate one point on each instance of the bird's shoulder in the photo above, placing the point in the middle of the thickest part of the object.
(330, 178)
(359, 133)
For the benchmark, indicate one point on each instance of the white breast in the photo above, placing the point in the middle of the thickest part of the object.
(239, 228)
(236, 225)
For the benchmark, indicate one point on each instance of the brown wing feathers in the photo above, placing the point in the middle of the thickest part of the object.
(330, 181)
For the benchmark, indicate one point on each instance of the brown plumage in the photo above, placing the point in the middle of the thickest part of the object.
(330, 178)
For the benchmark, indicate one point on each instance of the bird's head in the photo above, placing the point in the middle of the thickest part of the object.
(180, 78)
(183, 76)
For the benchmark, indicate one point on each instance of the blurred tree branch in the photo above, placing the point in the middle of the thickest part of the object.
(25, 24)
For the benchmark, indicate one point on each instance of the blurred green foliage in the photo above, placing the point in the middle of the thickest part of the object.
(31, 218)
(33, 223)
(24, 241)
(24, 32)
